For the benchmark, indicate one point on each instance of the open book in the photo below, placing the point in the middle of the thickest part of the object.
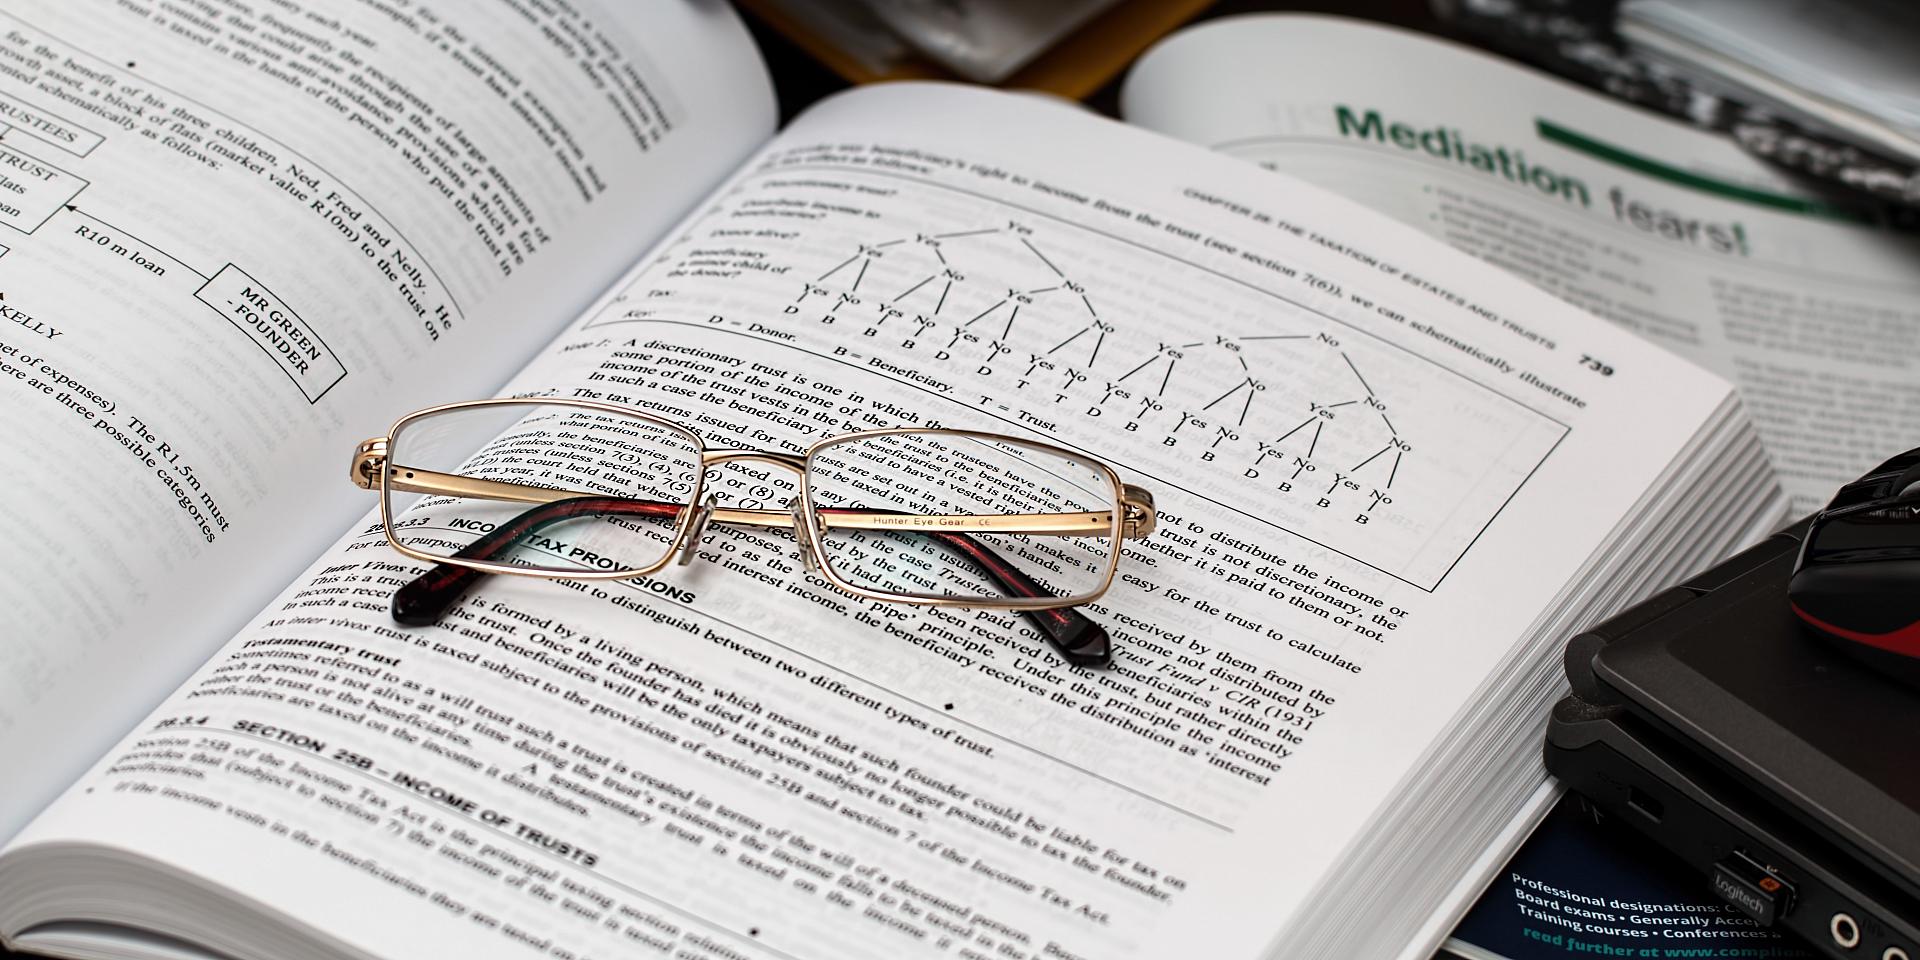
(1389, 478)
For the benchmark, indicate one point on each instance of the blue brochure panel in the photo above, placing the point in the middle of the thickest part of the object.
(1585, 887)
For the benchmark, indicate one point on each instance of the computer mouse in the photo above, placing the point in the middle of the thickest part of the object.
(1857, 581)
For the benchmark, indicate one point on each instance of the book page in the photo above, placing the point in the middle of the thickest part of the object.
(1363, 448)
(1668, 231)
(236, 237)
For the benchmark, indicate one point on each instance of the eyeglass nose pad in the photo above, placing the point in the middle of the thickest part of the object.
(690, 545)
(802, 534)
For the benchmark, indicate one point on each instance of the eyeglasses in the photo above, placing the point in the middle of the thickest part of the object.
(922, 516)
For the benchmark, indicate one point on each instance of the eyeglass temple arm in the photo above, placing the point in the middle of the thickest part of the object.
(426, 598)
(1138, 516)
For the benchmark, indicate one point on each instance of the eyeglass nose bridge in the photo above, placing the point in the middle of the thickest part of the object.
(697, 528)
(802, 535)
(714, 458)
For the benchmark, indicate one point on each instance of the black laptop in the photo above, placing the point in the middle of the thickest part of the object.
(1786, 773)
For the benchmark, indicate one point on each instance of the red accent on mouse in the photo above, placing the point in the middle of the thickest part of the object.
(1904, 641)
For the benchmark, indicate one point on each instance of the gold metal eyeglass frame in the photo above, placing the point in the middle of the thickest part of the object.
(1133, 518)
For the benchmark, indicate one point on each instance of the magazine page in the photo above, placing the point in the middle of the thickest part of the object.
(1672, 233)
(236, 234)
(1361, 444)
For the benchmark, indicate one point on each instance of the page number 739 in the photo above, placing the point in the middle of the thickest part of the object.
(1598, 366)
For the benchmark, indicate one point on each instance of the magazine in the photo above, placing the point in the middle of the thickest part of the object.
(1802, 300)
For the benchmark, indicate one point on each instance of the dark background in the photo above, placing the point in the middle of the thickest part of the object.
(799, 80)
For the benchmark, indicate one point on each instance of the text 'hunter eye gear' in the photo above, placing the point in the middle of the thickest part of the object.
(579, 489)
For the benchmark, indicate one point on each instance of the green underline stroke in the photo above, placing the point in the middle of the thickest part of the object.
(1661, 171)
